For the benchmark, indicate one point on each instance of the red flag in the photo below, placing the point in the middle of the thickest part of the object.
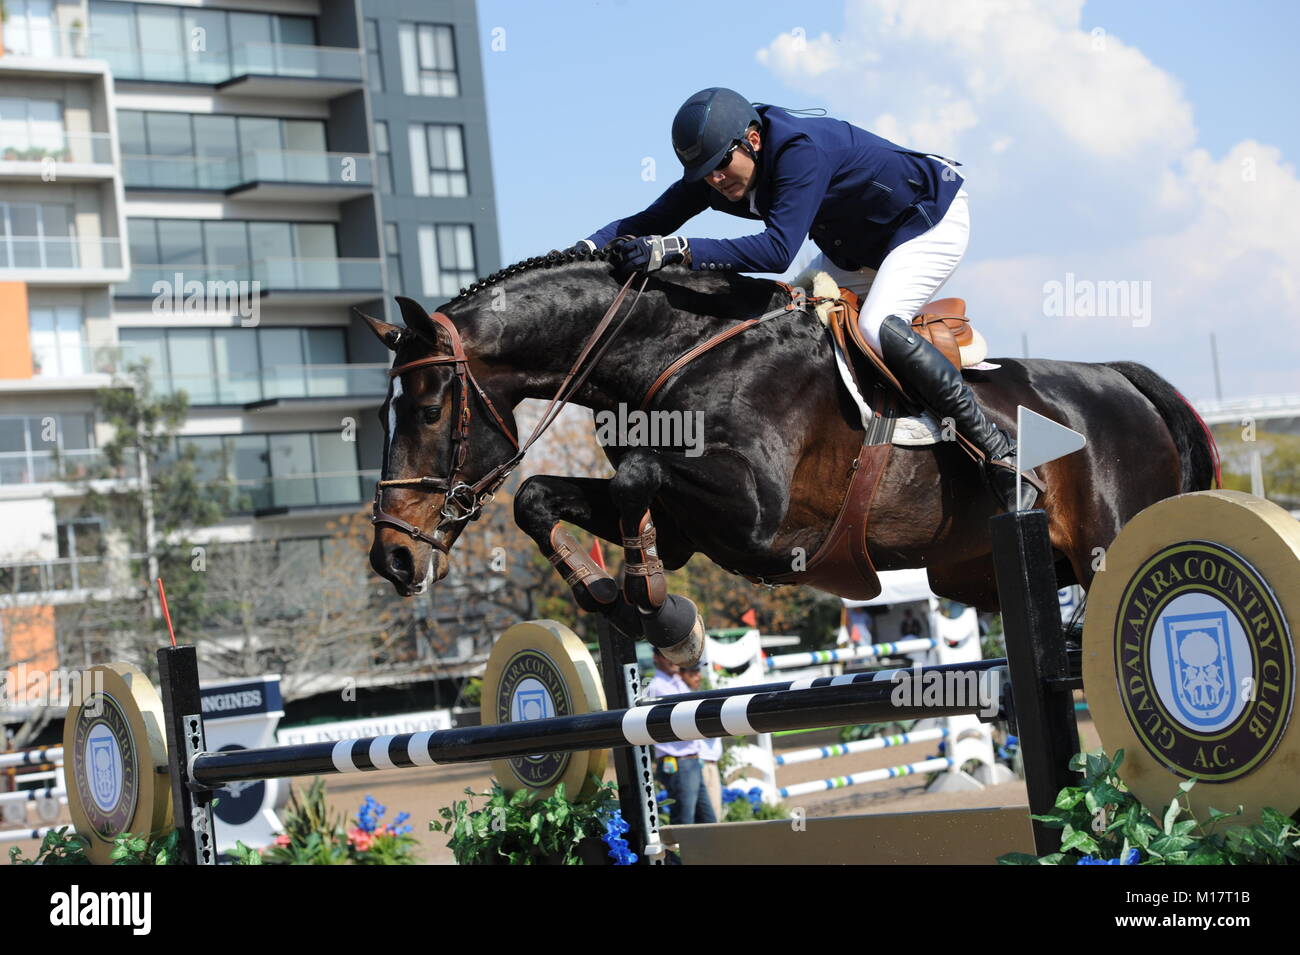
(597, 554)
(750, 619)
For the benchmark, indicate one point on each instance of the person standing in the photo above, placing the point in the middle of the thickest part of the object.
(678, 767)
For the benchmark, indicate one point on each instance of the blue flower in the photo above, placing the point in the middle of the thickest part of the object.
(731, 795)
(615, 826)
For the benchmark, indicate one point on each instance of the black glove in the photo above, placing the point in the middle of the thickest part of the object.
(646, 253)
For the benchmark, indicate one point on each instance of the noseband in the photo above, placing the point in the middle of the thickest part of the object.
(463, 501)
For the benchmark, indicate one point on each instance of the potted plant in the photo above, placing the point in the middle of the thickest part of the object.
(78, 36)
(521, 829)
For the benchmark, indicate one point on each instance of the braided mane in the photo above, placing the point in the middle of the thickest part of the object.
(549, 260)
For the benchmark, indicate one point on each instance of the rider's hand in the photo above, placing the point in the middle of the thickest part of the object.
(646, 253)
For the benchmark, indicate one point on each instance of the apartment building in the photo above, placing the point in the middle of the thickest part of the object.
(214, 187)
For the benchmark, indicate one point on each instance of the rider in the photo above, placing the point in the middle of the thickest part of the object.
(892, 224)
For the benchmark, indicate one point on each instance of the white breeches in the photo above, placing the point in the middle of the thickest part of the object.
(910, 276)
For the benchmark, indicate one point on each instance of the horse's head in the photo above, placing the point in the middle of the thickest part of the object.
(445, 440)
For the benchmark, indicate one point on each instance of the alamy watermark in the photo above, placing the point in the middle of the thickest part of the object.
(231, 297)
(634, 428)
(1086, 298)
(942, 689)
(22, 686)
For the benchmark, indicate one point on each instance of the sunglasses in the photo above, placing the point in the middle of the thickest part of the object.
(726, 157)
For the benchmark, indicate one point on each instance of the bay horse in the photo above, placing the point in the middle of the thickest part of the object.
(781, 441)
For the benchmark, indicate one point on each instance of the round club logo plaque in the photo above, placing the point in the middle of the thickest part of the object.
(1189, 656)
(115, 758)
(538, 670)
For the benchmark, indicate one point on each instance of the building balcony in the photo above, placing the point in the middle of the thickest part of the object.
(283, 387)
(336, 490)
(66, 580)
(228, 287)
(61, 260)
(71, 157)
(60, 467)
(260, 174)
(253, 69)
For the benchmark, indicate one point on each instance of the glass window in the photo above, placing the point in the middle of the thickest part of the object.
(446, 156)
(130, 132)
(385, 157)
(336, 467)
(56, 341)
(215, 148)
(207, 49)
(305, 135)
(270, 240)
(169, 134)
(148, 345)
(393, 252)
(291, 470)
(142, 235)
(446, 258)
(29, 30)
(159, 41)
(256, 132)
(374, 69)
(428, 59)
(282, 363)
(180, 242)
(189, 352)
(238, 376)
(113, 38)
(226, 243)
(300, 31)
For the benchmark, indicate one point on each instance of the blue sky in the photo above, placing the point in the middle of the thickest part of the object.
(1161, 150)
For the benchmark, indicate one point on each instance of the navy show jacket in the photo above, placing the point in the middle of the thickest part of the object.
(858, 195)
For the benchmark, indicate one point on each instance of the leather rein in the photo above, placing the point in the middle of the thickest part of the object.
(463, 501)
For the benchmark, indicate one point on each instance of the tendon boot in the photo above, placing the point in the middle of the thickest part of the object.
(938, 384)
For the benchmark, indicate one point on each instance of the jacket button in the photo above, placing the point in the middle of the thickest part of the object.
(838, 242)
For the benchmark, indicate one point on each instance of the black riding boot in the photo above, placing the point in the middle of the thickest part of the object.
(932, 378)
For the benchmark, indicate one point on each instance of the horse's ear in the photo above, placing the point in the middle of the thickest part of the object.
(418, 320)
(390, 335)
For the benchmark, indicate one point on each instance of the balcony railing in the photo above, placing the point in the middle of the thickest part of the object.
(178, 65)
(73, 359)
(62, 574)
(271, 275)
(314, 274)
(287, 59)
(296, 165)
(40, 467)
(59, 252)
(41, 40)
(273, 382)
(261, 165)
(328, 489)
(67, 147)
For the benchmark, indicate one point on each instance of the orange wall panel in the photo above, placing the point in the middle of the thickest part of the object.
(15, 331)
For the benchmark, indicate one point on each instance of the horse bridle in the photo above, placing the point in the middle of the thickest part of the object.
(462, 501)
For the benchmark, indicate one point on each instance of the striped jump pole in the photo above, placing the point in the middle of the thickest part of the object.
(811, 658)
(845, 679)
(32, 795)
(859, 746)
(18, 835)
(32, 757)
(688, 717)
(937, 765)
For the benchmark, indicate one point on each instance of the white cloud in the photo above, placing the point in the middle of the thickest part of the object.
(1081, 157)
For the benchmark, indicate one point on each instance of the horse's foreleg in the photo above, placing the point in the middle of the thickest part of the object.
(634, 486)
(543, 504)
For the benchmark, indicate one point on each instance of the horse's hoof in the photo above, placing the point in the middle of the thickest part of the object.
(677, 630)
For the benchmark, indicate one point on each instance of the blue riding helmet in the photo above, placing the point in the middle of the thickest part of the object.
(706, 126)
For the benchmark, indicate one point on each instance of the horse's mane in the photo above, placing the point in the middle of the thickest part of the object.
(549, 260)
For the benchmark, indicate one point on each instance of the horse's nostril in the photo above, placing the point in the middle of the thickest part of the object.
(401, 564)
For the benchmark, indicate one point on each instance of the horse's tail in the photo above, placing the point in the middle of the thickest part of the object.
(1197, 453)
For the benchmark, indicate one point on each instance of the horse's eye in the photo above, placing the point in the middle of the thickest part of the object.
(430, 413)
